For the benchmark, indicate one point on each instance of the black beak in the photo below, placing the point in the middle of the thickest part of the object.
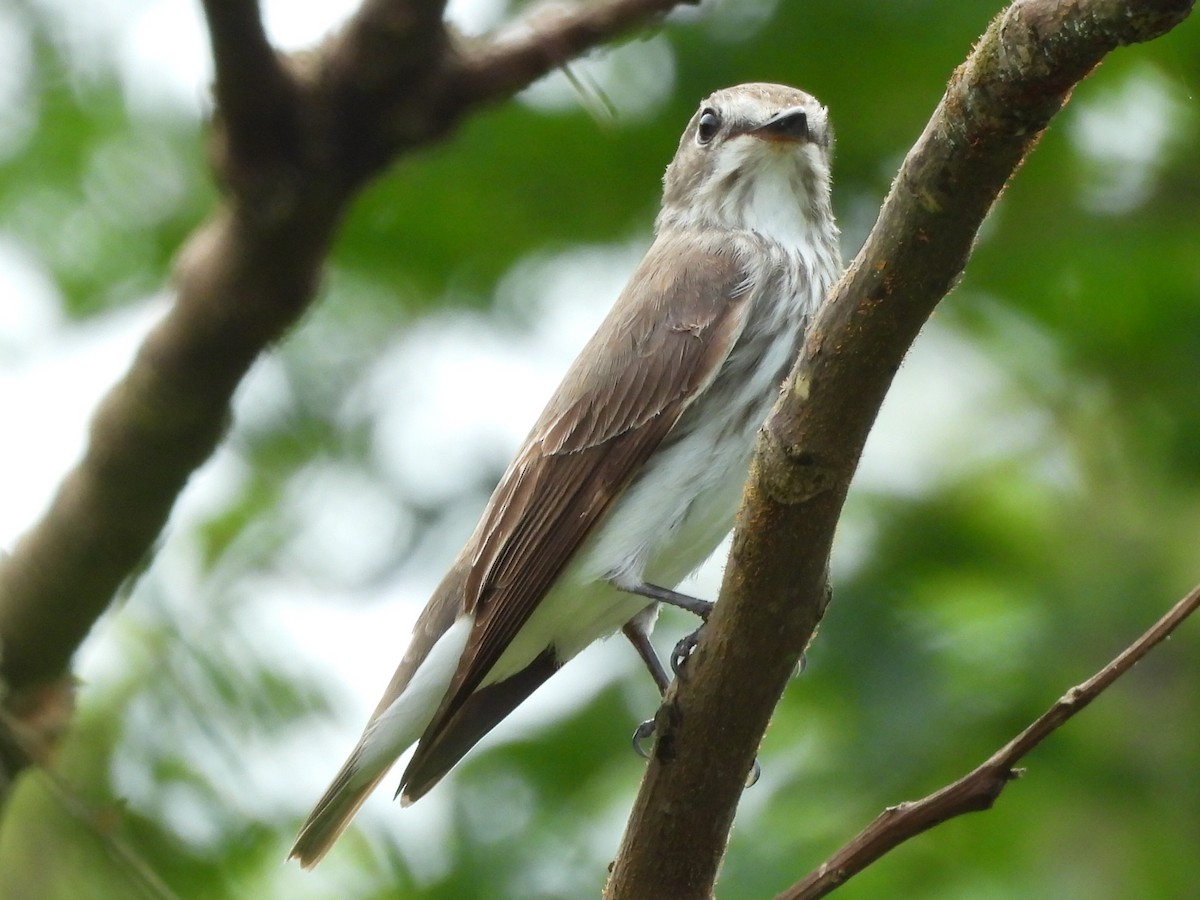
(789, 125)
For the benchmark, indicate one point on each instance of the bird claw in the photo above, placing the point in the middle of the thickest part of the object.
(640, 735)
(646, 731)
(683, 650)
(801, 664)
(755, 774)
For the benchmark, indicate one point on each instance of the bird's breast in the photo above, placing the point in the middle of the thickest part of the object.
(679, 507)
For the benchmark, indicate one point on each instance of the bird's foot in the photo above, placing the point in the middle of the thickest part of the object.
(683, 650)
(644, 732)
(755, 774)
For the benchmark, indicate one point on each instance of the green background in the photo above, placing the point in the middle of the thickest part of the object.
(1030, 505)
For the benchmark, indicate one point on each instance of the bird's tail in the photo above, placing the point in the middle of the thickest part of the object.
(333, 812)
(402, 714)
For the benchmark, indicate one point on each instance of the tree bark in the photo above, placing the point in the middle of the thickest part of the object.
(774, 591)
(294, 140)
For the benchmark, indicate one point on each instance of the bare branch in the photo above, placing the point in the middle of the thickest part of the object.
(552, 36)
(239, 287)
(386, 44)
(396, 78)
(250, 82)
(294, 142)
(978, 790)
(379, 85)
(774, 592)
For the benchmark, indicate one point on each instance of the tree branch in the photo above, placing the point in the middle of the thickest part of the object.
(256, 137)
(529, 49)
(774, 591)
(412, 81)
(978, 790)
(251, 87)
(379, 86)
(294, 142)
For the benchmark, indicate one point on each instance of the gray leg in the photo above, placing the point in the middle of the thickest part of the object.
(695, 606)
(641, 643)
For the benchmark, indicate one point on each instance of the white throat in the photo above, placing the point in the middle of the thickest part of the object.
(765, 189)
(775, 202)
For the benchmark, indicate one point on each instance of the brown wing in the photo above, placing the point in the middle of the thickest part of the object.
(661, 345)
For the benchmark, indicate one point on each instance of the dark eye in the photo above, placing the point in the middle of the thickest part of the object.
(709, 125)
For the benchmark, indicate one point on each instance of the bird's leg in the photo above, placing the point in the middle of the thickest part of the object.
(641, 643)
(694, 605)
(640, 639)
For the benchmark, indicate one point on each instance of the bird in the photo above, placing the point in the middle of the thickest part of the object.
(631, 476)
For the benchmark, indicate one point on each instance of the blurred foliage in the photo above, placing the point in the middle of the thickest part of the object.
(1028, 554)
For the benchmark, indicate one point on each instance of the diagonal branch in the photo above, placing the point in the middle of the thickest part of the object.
(295, 140)
(979, 789)
(774, 592)
(398, 78)
(537, 45)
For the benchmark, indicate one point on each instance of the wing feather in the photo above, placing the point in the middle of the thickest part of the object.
(658, 348)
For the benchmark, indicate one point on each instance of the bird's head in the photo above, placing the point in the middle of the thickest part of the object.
(753, 157)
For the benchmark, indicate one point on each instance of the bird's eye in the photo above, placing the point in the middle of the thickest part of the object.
(708, 126)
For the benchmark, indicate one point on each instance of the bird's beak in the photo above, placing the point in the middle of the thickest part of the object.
(789, 126)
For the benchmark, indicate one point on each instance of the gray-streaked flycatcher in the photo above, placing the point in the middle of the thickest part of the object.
(632, 475)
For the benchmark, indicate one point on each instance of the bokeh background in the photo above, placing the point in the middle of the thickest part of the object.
(1029, 502)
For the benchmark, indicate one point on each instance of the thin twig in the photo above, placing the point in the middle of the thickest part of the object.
(978, 789)
(17, 737)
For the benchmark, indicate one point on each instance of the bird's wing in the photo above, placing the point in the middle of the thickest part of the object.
(659, 347)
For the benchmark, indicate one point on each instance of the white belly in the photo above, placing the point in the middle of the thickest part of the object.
(663, 528)
(678, 508)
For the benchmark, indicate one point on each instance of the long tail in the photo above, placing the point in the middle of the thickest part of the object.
(333, 813)
(403, 713)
